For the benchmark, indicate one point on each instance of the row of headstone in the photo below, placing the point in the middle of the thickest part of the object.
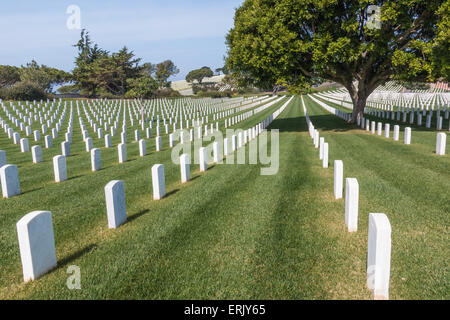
(379, 235)
(10, 175)
(377, 128)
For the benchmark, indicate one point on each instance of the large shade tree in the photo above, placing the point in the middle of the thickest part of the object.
(292, 41)
(98, 71)
(199, 74)
(164, 71)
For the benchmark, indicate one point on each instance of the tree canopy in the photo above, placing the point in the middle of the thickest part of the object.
(290, 42)
(143, 87)
(164, 70)
(99, 72)
(9, 75)
(43, 76)
(199, 74)
(32, 81)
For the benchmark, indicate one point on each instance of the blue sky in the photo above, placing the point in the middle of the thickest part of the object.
(191, 32)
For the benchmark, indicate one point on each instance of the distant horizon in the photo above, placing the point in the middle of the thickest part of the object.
(192, 36)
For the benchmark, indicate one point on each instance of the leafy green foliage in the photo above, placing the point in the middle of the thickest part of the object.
(199, 74)
(43, 76)
(164, 71)
(99, 71)
(9, 75)
(23, 90)
(293, 41)
(70, 88)
(30, 82)
(118, 74)
(143, 87)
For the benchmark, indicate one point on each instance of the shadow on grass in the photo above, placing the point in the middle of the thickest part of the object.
(75, 177)
(32, 190)
(321, 122)
(65, 261)
(193, 178)
(172, 192)
(137, 215)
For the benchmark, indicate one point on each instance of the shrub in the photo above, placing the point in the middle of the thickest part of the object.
(23, 91)
(166, 93)
(215, 94)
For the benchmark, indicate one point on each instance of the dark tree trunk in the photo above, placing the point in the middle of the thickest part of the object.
(358, 108)
(359, 98)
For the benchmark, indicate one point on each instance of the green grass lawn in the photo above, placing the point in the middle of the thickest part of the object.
(231, 233)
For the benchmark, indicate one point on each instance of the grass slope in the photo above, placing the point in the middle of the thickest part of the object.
(231, 233)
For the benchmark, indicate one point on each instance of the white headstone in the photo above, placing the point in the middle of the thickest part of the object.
(351, 204)
(65, 148)
(387, 130)
(48, 142)
(137, 135)
(89, 144)
(115, 203)
(158, 143)
(316, 139)
(216, 152)
(325, 156)
(379, 255)
(36, 153)
(407, 135)
(441, 142)
(158, 181)
(16, 138)
(185, 167)
(396, 132)
(107, 141)
(60, 168)
(322, 141)
(9, 177)
(96, 160)
(2, 158)
(122, 150)
(225, 147)
(37, 135)
(338, 178)
(24, 146)
(36, 244)
(439, 123)
(202, 157)
(142, 148)
(171, 140)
